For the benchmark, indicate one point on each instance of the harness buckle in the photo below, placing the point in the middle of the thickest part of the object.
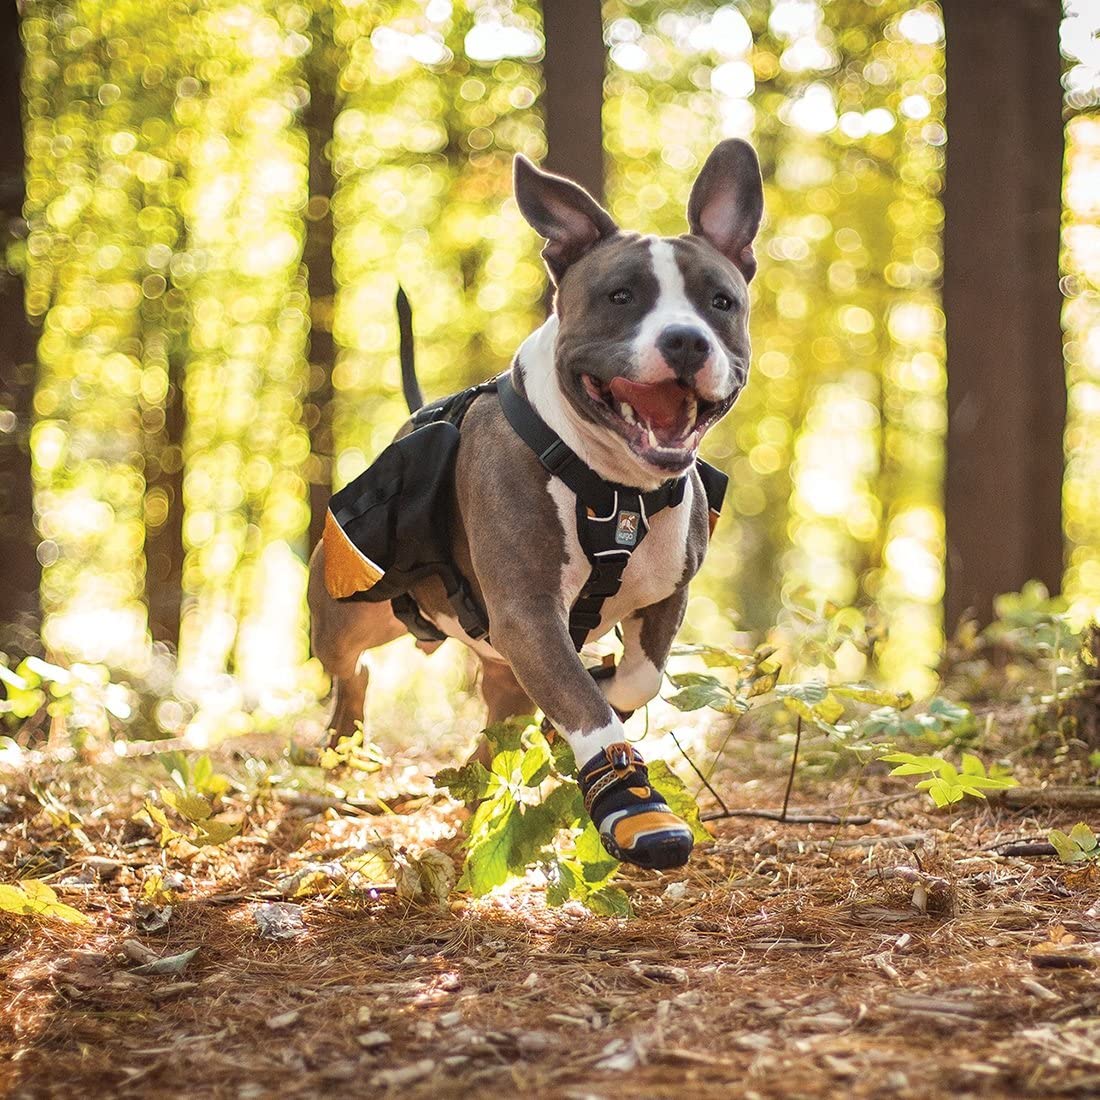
(556, 457)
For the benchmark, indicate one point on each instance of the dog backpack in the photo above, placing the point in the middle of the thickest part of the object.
(390, 528)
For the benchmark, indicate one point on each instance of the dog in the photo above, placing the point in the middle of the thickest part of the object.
(646, 348)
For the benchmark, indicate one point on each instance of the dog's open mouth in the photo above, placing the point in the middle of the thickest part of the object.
(662, 422)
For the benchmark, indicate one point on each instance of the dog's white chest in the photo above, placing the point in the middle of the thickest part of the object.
(655, 568)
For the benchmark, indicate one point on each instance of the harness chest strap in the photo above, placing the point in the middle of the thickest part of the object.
(612, 520)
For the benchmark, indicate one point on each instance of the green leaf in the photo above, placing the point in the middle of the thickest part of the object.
(866, 693)
(12, 899)
(563, 881)
(538, 825)
(952, 714)
(191, 806)
(506, 764)
(466, 784)
(760, 683)
(1084, 837)
(942, 793)
(1068, 851)
(679, 798)
(535, 765)
(214, 832)
(565, 763)
(971, 765)
(609, 901)
(505, 736)
(700, 690)
(810, 693)
(490, 847)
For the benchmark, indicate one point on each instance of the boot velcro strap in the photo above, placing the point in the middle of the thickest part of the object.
(635, 777)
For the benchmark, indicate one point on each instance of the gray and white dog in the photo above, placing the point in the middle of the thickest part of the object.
(647, 347)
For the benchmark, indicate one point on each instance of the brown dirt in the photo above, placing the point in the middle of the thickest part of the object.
(778, 964)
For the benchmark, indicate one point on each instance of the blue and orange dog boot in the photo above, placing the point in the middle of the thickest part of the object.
(634, 821)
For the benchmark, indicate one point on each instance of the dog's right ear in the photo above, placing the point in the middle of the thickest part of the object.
(561, 211)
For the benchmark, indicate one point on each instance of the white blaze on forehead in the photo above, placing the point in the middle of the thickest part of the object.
(674, 307)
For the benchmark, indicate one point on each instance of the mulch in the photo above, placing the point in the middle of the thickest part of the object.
(903, 957)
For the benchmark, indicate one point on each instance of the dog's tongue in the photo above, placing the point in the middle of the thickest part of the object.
(662, 405)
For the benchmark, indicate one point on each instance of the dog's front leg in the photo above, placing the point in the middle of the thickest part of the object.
(633, 819)
(647, 639)
(532, 636)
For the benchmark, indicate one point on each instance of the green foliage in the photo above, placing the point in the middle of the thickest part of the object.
(196, 776)
(948, 784)
(757, 674)
(530, 811)
(193, 802)
(839, 714)
(1079, 845)
(82, 697)
(31, 898)
(426, 878)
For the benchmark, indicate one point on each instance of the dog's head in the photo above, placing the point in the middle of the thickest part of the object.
(652, 339)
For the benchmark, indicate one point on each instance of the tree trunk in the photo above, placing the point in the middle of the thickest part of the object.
(320, 120)
(18, 541)
(164, 485)
(573, 71)
(1006, 385)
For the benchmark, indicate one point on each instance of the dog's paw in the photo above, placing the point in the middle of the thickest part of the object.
(633, 819)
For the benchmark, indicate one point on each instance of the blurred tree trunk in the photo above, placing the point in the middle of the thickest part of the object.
(320, 120)
(164, 554)
(18, 542)
(1006, 382)
(573, 71)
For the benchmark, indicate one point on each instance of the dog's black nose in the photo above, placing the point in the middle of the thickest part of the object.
(684, 347)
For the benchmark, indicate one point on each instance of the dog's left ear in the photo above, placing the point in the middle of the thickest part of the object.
(727, 202)
(561, 211)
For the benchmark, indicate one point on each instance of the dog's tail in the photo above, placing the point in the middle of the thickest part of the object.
(409, 385)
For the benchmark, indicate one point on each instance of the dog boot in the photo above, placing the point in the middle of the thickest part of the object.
(634, 821)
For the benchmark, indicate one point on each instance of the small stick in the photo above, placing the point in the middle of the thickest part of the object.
(706, 782)
(1025, 848)
(789, 818)
(794, 762)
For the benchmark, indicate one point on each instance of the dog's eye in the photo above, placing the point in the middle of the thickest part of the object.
(621, 297)
(722, 302)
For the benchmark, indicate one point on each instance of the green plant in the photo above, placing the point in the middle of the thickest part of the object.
(530, 811)
(31, 898)
(1079, 845)
(194, 800)
(840, 715)
(946, 783)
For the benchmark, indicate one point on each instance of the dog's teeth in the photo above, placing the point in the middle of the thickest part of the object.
(692, 411)
(627, 413)
(652, 437)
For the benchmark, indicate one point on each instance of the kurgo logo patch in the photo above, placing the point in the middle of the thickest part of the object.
(626, 530)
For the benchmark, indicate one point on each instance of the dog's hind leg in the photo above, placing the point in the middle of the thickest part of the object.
(340, 633)
(504, 698)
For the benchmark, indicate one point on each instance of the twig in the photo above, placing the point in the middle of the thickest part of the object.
(1025, 848)
(881, 800)
(706, 782)
(794, 763)
(1048, 798)
(789, 818)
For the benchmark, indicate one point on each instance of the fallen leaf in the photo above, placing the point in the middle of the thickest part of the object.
(283, 1020)
(372, 1040)
(170, 964)
(279, 920)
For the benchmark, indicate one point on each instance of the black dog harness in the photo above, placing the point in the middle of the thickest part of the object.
(388, 529)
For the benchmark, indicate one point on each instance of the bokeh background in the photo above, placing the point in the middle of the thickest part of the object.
(183, 408)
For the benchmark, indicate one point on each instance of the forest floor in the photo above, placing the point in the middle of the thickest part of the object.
(902, 957)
